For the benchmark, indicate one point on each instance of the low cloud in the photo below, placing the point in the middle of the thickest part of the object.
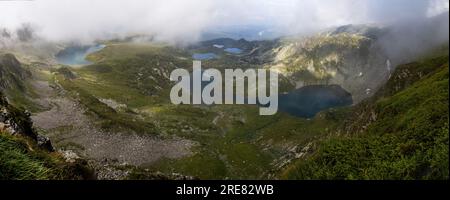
(186, 21)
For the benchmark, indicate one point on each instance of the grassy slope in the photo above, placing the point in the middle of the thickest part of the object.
(407, 140)
(21, 159)
(16, 162)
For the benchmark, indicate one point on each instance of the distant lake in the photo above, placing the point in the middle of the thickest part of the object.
(233, 50)
(309, 100)
(204, 56)
(76, 55)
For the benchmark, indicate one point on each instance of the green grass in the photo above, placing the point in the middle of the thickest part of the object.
(22, 159)
(16, 161)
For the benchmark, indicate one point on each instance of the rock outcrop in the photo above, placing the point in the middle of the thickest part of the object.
(17, 122)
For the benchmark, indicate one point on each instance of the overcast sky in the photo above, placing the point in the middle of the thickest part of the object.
(175, 20)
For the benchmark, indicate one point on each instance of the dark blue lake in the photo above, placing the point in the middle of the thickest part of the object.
(76, 55)
(309, 100)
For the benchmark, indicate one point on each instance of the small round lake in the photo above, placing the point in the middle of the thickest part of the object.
(76, 55)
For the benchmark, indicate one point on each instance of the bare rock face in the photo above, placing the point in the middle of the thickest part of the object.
(10, 124)
(44, 142)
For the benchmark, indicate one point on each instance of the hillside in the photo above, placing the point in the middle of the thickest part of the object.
(400, 133)
(116, 114)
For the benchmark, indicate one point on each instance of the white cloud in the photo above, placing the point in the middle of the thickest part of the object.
(438, 6)
(185, 20)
